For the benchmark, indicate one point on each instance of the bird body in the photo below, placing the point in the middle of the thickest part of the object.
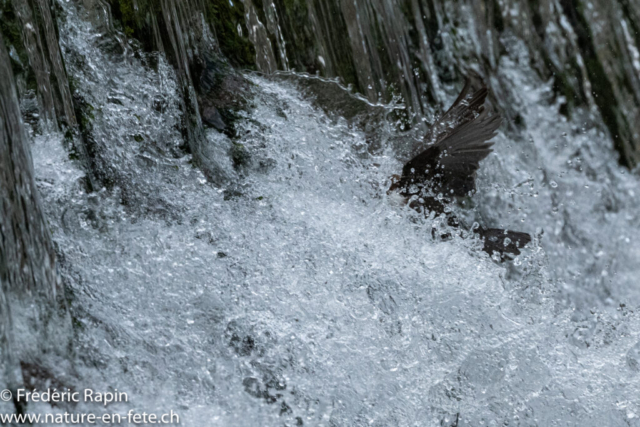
(447, 167)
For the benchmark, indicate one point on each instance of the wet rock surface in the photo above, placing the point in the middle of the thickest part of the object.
(32, 303)
(222, 93)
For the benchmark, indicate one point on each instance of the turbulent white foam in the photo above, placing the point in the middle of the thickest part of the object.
(562, 177)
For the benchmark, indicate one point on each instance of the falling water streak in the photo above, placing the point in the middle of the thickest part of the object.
(62, 86)
(32, 315)
(38, 62)
(360, 45)
(156, 35)
(274, 28)
(265, 58)
(424, 53)
(385, 48)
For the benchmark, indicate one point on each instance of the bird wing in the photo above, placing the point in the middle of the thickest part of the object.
(495, 240)
(461, 134)
(467, 105)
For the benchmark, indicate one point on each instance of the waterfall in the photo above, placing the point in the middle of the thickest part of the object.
(41, 44)
(420, 48)
(32, 307)
(200, 219)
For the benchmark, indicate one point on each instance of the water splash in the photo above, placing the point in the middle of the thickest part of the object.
(297, 293)
(33, 316)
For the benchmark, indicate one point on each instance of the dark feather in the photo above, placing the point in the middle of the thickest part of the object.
(466, 106)
(495, 240)
(449, 165)
(461, 134)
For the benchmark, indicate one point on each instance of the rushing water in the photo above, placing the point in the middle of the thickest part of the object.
(299, 295)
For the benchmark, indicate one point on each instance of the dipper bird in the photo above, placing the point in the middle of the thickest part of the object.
(447, 168)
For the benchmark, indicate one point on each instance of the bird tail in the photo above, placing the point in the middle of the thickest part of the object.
(503, 241)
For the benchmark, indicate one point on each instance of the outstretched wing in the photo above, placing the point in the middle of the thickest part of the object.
(466, 107)
(461, 134)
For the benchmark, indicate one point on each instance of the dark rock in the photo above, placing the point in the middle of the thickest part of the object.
(239, 155)
(37, 377)
(114, 100)
(243, 346)
(230, 194)
(31, 292)
(222, 92)
(211, 117)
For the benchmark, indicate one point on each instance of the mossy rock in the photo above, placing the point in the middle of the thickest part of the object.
(226, 17)
(11, 29)
(222, 93)
(239, 155)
